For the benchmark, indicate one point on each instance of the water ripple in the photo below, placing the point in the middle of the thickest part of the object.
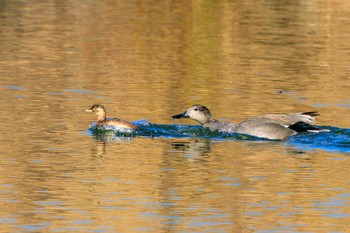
(336, 140)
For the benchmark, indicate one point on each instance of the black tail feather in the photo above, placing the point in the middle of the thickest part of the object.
(311, 113)
(303, 127)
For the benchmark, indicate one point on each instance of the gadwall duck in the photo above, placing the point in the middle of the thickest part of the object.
(100, 111)
(272, 126)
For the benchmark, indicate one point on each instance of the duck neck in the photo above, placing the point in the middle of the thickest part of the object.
(212, 124)
(210, 121)
(101, 117)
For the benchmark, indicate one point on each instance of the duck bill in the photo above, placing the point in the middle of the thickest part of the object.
(89, 110)
(182, 115)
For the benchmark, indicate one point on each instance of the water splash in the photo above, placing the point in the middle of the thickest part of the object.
(107, 133)
(147, 129)
(335, 140)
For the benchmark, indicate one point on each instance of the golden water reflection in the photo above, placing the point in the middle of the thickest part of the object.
(150, 60)
(198, 186)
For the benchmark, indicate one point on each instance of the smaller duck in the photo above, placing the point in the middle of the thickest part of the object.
(100, 111)
(271, 126)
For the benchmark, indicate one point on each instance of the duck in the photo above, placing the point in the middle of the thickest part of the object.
(120, 124)
(270, 126)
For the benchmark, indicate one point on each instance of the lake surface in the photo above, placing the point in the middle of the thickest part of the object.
(146, 61)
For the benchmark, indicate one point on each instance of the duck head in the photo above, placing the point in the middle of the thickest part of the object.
(197, 112)
(99, 110)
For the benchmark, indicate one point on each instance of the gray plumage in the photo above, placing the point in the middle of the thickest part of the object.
(272, 126)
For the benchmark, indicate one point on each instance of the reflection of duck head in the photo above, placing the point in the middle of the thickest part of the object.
(100, 111)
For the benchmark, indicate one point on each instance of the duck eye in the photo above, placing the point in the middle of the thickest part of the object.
(196, 109)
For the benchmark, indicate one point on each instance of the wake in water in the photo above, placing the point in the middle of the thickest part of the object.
(334, 140)
(147, 129)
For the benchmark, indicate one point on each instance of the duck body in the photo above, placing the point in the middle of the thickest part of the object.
(117, 123)
(271, 126)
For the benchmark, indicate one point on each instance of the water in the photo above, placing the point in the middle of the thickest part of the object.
(146, 61)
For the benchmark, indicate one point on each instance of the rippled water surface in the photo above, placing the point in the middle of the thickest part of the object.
(146, 61)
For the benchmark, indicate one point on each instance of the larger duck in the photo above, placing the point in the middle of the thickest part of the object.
(271, 126)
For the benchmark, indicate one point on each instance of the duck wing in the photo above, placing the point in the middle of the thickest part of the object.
(286, 119)
(278, 126)
(119, 123)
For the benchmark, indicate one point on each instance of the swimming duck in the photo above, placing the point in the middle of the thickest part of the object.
(272, 126)
(100, 111)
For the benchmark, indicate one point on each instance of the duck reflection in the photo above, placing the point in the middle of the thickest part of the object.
(193, 147)
(110, 137)
(99, 149)
(102, 139)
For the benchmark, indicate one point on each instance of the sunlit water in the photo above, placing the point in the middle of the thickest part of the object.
(146, 61)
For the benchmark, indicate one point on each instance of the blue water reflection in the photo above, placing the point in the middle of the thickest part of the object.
(336, 140)
(332, 207)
